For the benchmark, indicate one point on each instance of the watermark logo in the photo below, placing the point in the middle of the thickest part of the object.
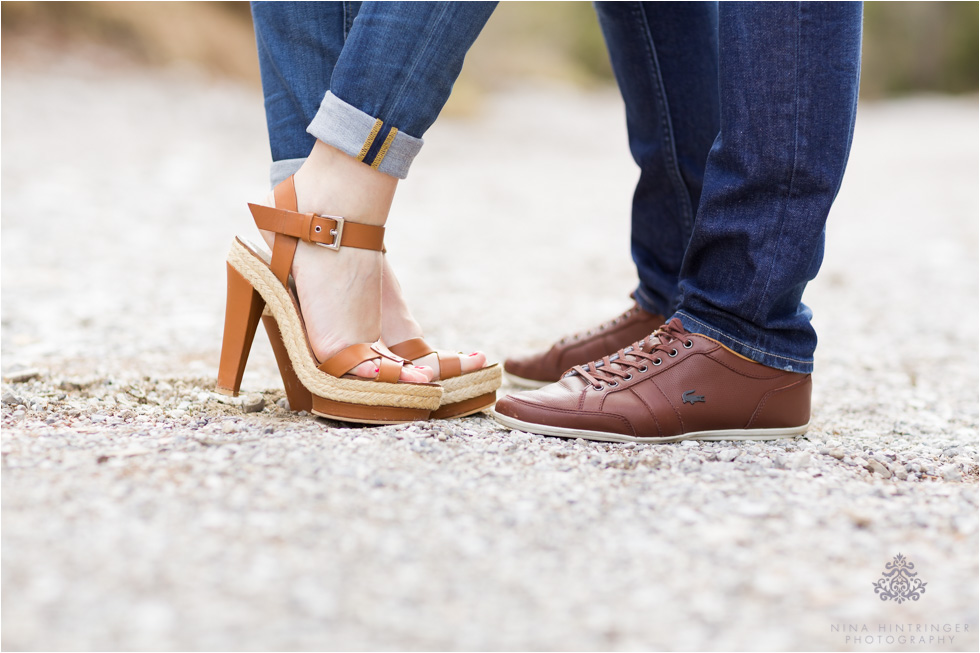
(898, 582)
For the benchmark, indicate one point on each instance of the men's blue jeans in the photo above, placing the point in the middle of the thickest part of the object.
(786, 96)
(367, 78)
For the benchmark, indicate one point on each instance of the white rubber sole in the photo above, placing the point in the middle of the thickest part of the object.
(602, 436)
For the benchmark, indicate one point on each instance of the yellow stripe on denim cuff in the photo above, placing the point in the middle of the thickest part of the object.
(379, 157)
(370, 139)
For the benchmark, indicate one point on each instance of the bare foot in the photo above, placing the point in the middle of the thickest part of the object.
(398, 325)
(339, 292)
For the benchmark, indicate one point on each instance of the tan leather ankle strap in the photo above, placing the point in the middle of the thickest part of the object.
(329, 231)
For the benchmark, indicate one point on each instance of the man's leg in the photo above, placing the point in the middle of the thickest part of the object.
(665, 58)
(789, 80)
(734, 363)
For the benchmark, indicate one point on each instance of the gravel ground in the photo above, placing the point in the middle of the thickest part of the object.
(142, 511)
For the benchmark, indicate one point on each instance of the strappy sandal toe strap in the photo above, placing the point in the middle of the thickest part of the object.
(463, 394)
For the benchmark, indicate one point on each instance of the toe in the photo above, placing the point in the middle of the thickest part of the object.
(430, 374)
(474, 361)
(416, 374)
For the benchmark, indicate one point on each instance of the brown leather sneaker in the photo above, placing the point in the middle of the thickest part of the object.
(547, 367)
(672, 386)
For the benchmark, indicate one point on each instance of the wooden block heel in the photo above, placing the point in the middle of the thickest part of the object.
(243, 308)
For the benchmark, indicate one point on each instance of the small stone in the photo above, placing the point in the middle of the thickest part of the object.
(837, 453)
(689, 444)
(801, 460)
(283, 403)
(951, 473)
(229, 426)
(877, 468)
(253, 404)
(21, 376)
(728, 455)
(99, 417)
(10, 399)
(900, 473)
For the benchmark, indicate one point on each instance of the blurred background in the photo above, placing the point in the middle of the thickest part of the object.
(909, 47)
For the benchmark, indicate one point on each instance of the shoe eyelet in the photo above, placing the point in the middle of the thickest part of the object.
(673, 352)
(644, 369)
(614, 385)
(318, 228)
(597, 388)
(628, 377)
(658, 361)
(688, 344)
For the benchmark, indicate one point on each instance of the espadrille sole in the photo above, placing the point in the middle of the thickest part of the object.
(469, 393)
(346, 398)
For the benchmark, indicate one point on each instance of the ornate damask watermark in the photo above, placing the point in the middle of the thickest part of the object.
(898, 582)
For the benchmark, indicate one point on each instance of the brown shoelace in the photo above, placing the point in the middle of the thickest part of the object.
(639, 356)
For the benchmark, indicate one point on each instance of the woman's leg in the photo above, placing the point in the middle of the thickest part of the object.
(390, 80)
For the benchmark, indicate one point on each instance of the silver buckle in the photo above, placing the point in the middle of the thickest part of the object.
(337, 233)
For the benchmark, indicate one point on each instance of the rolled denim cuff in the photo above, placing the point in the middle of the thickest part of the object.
(366, 138)
(767, 358)
(281, 170)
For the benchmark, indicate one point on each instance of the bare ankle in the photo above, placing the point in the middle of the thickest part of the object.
(333, 183)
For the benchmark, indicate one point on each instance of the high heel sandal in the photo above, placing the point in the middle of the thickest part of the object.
(258, 288)
(463, 394)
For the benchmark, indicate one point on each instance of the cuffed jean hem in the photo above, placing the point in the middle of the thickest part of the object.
(281, 170)
(364, 137)
(766, 358)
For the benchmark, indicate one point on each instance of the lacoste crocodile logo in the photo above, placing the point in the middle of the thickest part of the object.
(690, 398)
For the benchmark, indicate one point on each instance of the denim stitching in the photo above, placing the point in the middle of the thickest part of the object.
(380, 156)
(716, 332)
(674, 173)
(370, 139)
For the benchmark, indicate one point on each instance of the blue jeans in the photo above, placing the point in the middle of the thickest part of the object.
(788, 83)
(367, 78)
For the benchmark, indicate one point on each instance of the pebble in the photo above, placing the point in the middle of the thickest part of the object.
(728, 455)
(10, 399)
(951, 473)
(22, 375)
(876, 467)
(253, 404)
